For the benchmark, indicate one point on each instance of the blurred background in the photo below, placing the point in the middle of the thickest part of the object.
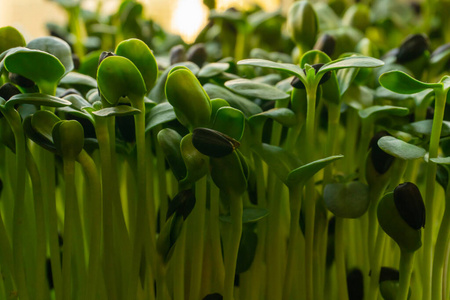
(184, 17)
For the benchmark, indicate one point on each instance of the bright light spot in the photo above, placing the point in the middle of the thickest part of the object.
(188, 19)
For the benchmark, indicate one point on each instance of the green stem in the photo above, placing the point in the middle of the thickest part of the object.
(366, 134)
(232, 246)
(13, 119)
(69, 220)
(195, 238)
(440, 251)
(178, 278)
(310, 191)
(93, 185)
(339, 250)
(40, 226)
(406, 266)
(440, 99)
(351, 136)
(214, 236)
(47, 170)
(295, 201)
(77, 28)
(103, 138)
(375, 266)
(334, 114)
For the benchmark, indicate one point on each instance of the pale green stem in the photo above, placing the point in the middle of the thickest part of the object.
(440, 99)
(310, 191)
(232, 245)
(295, 203)
(178, 272)
(406, 266)
(107, 196)
(195, 238)
(214, 236)
(13, 119)
(339, 250)
(375, 266)
(40, 227)
(441, 247)
(94, 189)
(69, 220)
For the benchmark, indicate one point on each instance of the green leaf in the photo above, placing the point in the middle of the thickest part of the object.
(424, 128)
(249, 215)
(10, 37)
(254, 89)
(288, 68)
(347, 200)
(243, 104)
(213, 69)
(68, 137)
(247, 250)
(278, 159)
(400, 149)
(120, 110)
(441, 160)
(402, 83)
(142, 57)
(313, 57)
(300, 175)
(36, 99)
(74, 78)
(230, 121)
(196, 163)
(189, 99)
(376, 110)
(351, 62)
(160, 114)
(284, 116)
(39, 66)
(55, 46)
(170, 141)
(43, 121)
(158, 93)
(118, 77)
(228, 174)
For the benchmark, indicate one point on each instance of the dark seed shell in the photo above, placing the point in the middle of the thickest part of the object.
(355, 284)
(215, 296)
(410, 206)
(326, 43)
(213, 143)
(389, 274)
(8, 90)
(197, 54)
(104, 55)
(182, 203)
(177, 54)
(412, 47)
(20, 80)
(381, 160)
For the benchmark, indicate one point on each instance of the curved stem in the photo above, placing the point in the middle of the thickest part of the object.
(69, 219)
(13, 119)
(406, 265)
